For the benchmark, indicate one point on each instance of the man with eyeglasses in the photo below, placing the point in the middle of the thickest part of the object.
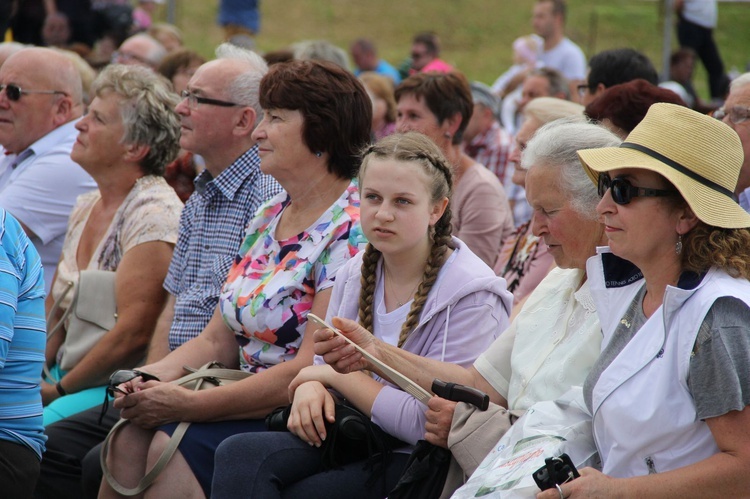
(40, 102)
(219, 111)
(736, 113)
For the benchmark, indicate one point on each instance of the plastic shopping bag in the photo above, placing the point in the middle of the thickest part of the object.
(547, 429)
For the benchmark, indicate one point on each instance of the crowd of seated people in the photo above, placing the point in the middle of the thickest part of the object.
(573, 225)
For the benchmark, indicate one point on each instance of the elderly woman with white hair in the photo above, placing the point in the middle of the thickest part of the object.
(670, 394)
(524, 259)
(555, 339)
(128, 226)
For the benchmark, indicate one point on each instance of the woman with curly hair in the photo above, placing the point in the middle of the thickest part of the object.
(670, 393)
(414, 286)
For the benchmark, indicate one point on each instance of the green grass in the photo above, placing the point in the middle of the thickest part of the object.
(476, 34)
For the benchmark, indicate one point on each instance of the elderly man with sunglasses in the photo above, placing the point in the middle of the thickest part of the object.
(40, 102)
(736, 114)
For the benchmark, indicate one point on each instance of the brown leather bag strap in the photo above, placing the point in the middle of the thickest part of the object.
(200, 376)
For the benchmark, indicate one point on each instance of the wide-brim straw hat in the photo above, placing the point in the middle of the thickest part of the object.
(698, 154)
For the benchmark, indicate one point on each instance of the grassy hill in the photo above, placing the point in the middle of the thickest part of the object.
(476, 34)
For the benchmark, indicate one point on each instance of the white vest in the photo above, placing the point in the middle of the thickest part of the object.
(644, 417)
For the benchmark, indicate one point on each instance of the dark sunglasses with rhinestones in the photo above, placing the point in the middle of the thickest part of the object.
(623, 191)
(14, 92)
(119, 377)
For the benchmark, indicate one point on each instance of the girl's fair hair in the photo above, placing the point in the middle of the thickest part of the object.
(414, 148)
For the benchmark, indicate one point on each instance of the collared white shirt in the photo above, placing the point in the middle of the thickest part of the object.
(41, 191)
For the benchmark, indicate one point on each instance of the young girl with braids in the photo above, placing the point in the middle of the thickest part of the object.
(415, 286)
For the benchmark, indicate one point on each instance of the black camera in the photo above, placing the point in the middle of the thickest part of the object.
(556, 471)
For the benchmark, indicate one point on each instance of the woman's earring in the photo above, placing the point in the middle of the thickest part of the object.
(447, 135)
(318, 154)
(678, 246)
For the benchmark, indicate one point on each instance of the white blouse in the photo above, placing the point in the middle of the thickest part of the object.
(549, 347)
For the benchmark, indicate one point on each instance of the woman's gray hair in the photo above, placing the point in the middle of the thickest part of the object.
(147, 110)
(555, 146)
(739, 82)
(246, 87)
(320, 50)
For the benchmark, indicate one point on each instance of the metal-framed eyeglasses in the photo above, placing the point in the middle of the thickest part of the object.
(193, 100)
(623, 191)
(737, 114)
(14, 92)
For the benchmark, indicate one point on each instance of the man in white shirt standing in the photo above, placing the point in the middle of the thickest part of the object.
(40, 102)
(558, 51)
(697, 21)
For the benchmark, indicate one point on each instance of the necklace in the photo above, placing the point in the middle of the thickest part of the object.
(393, 292)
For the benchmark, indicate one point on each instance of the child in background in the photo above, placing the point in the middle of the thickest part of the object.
(525, 53)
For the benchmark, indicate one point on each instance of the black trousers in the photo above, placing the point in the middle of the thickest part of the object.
(702, 41)
(70, 466)
(19, 469)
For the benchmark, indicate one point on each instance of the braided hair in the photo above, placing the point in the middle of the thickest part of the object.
(417, 148)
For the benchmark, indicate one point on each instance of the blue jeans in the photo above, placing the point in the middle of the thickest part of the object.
(279, 464)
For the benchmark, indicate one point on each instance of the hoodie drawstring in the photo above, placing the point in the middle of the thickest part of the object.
(445, 332)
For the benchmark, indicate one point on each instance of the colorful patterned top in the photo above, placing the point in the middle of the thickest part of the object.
(271, 285)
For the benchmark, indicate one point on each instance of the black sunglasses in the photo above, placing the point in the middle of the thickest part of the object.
(623, 191)
(119, 377)
(14, 92)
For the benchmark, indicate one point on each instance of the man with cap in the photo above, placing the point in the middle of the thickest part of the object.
(485, 140)
(40, 103)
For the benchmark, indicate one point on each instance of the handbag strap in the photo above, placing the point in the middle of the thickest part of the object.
(58, 326)
(56, 307)
(153, 473)
(206, 374)
(214, 375)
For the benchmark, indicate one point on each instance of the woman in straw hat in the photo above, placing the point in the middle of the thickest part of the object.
(676, 321)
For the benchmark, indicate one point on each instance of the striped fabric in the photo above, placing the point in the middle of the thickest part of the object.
(212, 227)
(22, 337)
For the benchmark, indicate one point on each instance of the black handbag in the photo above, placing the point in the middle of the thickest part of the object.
(428, 466)
(352, 437)
(425, 473)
